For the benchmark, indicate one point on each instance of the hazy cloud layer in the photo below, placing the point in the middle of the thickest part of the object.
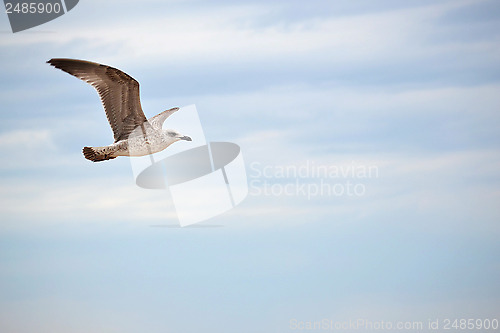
(409, 87)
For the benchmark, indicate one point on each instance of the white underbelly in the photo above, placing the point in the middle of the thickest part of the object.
(140, 147)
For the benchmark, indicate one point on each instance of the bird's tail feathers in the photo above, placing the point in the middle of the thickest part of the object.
(97, 154)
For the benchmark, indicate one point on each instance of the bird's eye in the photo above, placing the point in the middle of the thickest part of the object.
(171, 133)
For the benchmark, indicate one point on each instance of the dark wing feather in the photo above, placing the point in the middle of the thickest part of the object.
(119, 93)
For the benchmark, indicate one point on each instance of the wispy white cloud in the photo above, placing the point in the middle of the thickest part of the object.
(79, 201)
(220, 35)
(28, 149)
(26, 140)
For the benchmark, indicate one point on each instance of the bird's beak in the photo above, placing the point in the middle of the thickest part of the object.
(187, 138)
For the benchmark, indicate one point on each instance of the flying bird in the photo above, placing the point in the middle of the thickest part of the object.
(119, 92)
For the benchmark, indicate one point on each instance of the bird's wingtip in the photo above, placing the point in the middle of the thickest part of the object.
(53, 61)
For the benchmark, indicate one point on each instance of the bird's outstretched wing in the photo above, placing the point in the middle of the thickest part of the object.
(158, 120)
(119, 93)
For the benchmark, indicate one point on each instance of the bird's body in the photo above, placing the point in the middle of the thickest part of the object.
(137, 144)
(134, 134)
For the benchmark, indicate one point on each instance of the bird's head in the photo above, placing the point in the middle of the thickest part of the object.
(175, 136)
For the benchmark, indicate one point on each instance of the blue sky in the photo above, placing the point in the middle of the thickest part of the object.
(411, 87)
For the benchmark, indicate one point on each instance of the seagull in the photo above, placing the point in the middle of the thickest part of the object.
(119, 92)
